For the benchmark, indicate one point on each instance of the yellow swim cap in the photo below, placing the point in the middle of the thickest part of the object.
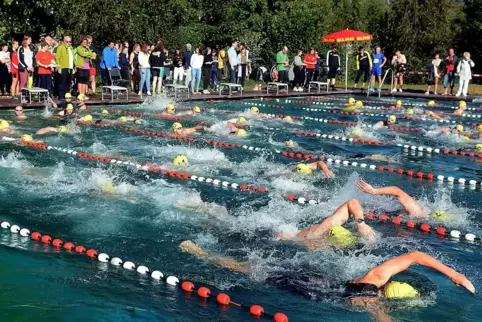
(68, 95)
(392, 118)
(304, 169)
(287, 117)
(196, 109)
(399, 290)
(123, 119)
(440, 215)
(138, 121)
(88, 118)
(350, 108)
(479, 128)
(399, 103)
(240, 132)
(431, 103)
(351, 101)
(292, 144)
(357, 132)
(359, 104)
(180, 159)
(478, 147)
(27, 138)
(341, 236)
(69, 107)
(108, 187)
(241, 120)
(80, 97)
(409, 111)
(4, 125)
(254, 109)
(104, 112)
(459, 127)
(176, 126)
(462, 104)
(466, 138)
(62, 129)
(170, 108)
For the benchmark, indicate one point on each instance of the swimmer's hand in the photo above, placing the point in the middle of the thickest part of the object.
(200, 128)
(460, 280)
(366, 232)
(365, 187)
(328, 173)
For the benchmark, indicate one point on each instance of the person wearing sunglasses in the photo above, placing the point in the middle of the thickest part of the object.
(19, 113)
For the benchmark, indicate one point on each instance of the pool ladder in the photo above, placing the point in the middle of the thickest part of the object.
(383, 81)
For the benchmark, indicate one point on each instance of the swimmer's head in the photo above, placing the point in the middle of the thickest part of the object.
(341, 236)
(431, 103)
(69, 107)
(138, 121)
(399, 103)
(466, 138)
(392, 119)
(409, 111)
(292, 144)
(107, 187)
(440, 215)
(359, 104)
(68, 96)
(304, 169)
(479, 128)
(254, 109)
(357, 132)
(399, 290)
(478, 147)
(241, 120)
(26, 138)
(351, 101)
(287, 118)
(123, 119)
(104, 112)
(240, 132)
(196, 109)
(180, 160)
(462, 105)
(170, 108)
(459, 128)
(176, 126)
(87, 118)
(62, 129)
(80, 97)
(4, 125)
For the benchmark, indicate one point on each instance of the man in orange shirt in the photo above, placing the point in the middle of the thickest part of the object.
(46, 63)
(310, 61)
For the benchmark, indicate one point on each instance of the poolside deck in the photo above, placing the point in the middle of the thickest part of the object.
(8, 103)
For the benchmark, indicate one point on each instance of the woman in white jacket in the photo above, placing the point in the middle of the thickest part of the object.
(465, 74)
(197, 60)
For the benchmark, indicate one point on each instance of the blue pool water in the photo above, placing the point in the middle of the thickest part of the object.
(141, 221)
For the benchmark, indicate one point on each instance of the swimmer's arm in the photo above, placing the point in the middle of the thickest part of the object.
(231, 126)
(184, 113)
(183, 204)
(322, 165)
(190, 130)
(380, 123)
(46, 130)
(435, 116)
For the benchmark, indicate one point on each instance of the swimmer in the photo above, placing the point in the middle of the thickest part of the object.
(373, 157)
(81, 102)
(68, 111)
(254, 112)
(398, 106)
(59, 129)
(290, 144)
(307, 169)
(107, 190)
(353, 107)
(411, 111)
(461, 109)
(19, 114)
(27, 138)
(169, 111)
(5, 127)
(195, 111)
(431, 104)
(120, 120)
(288, 119)
(457, 130)
(210, 209)
(63, 104)
(392, 119)
(179, 130)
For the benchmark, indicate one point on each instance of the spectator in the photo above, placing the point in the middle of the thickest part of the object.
(93, 70)
(214, 69)
(399, 63)
(310, 66)
(465, 74)
(449, 77)
(299, 71)
(433, 74)
(196, 64)
(208, 62)
(124, 63)
(107, 62)
(282, 64)
(186, 62)
(82, 65)
(5, 76)
(378, 61)
(156, 61)
(26, 58)
(232, 61)
(333, 62)
(15, 88)
(243, 61)
(316, 75)
(134, 65)
(363, 66)
(144, 70)
(46, 63)
(221, 64)
(178, 69)
(167, 67)
(65, 66)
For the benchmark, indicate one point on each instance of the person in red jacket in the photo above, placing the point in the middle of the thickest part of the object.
(15, 88)
(46, 62)
(310, 61)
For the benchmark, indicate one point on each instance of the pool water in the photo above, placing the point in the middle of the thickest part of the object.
(140, 218)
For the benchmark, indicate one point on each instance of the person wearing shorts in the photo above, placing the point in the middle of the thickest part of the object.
(449, 78)
(82, 65)
(333, 62)
(14, 90)
(363, 66)
(399, 63)
(378, 61)
(92, 70)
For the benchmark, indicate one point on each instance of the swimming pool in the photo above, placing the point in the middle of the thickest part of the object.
(140, 220)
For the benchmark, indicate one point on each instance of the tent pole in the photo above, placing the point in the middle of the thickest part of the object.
(346, 69)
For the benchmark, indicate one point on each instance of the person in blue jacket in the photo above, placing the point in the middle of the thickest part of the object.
(109, 60)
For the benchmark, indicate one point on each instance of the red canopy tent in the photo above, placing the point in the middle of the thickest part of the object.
(346, 36)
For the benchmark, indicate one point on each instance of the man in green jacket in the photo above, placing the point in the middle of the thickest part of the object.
(282, 64)
(65, 66)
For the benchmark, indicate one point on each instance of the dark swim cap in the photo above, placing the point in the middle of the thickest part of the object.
(361, 289)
